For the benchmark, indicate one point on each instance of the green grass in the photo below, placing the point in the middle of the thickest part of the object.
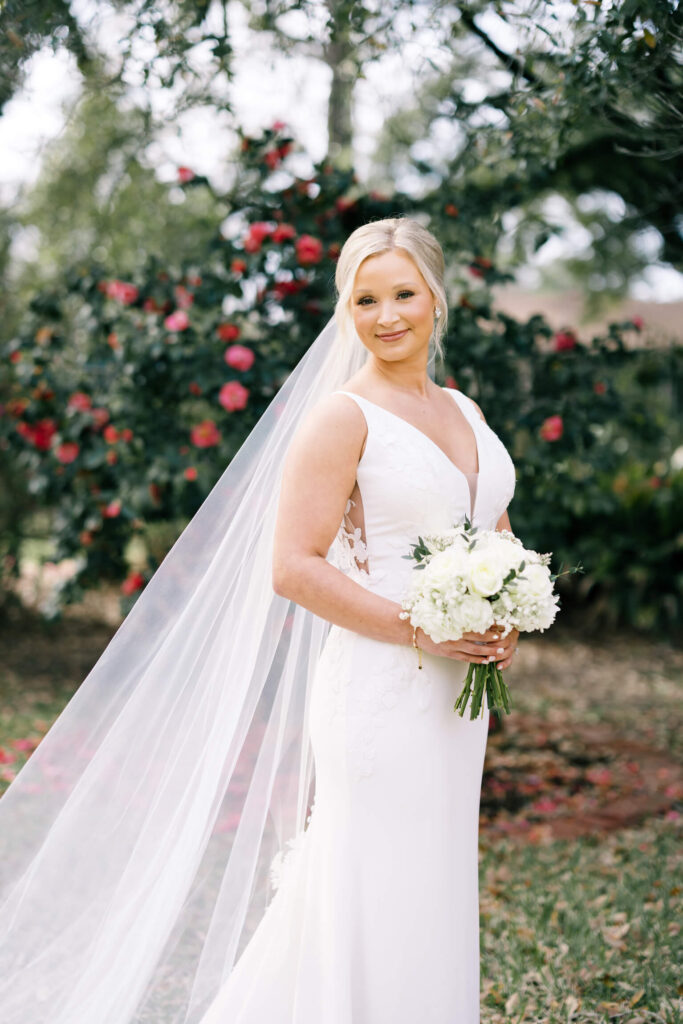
(582, 930)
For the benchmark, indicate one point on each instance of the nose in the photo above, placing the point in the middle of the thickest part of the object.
(387, 315)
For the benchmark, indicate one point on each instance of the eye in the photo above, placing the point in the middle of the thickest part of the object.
(362, 301)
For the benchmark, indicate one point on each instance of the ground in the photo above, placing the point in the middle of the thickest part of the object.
(580, 812)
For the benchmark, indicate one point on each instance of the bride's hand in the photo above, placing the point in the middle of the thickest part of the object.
(479, 648)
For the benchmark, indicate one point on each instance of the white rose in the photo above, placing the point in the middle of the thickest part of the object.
(485, 573)
(535, 583)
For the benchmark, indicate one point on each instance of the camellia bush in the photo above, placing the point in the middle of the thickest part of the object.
(126, 396)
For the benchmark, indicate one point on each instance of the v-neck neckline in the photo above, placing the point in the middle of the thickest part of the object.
(437, 447)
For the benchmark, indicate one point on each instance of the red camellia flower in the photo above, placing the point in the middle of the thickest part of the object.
(475, 271)
(552, 428)
(285, 149)
(565, 340)
(42, 434)
(205, 434)
(283, 232)
(599, 387)
(151, 305)
(110, 434)
(155, 493)
(654, 482)
(238, 266)
(637, 322)
(80, 401)
(15, 357)
(283, 288)
(134, 581)
(228, 332)
(177, 321)
(100, 416)
(308, 250)
(113, 341)
(85, 537)
(451, 210)
(111, 457)
(256, 235)
(190, 473)
(67, 452)
(239, 357)
(233, 396)
(194, 388)
(122, 291)
(451, 382)
(272, 158)
(342, 204)
(185, 174)
(126, 434)
(112, 510)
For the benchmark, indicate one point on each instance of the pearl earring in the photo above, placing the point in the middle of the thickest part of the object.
(437, 313)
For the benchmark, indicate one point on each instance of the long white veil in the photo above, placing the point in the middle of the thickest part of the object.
(136, 842)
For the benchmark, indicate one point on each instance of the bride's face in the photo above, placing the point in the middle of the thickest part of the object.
(392, 306)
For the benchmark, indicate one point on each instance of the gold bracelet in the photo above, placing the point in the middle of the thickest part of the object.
(418, 649)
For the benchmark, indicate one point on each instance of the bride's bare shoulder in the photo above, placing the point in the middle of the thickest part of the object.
(334, 424)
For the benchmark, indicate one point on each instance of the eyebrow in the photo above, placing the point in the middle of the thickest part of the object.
(402, 284)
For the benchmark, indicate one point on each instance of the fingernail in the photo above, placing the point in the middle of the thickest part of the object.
(496, 637)
(500, 650)
(492, 657)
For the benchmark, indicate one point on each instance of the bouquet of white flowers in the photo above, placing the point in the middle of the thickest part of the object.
(467, 579)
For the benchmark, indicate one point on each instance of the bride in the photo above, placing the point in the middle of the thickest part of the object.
(261, 805)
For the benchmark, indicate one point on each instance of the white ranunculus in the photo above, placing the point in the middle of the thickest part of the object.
(535, 583)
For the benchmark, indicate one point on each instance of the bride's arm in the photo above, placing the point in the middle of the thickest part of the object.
(510, 643)
(319, 475)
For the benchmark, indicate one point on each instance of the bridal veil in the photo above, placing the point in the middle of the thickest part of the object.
(136, 844)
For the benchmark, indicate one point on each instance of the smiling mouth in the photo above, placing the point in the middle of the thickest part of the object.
(390, 337)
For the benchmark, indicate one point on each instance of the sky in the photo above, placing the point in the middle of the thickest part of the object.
(267, 86)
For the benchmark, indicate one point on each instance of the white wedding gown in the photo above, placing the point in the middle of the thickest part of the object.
(376, 917)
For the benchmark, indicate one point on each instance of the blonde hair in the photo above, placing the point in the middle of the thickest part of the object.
(380, 236)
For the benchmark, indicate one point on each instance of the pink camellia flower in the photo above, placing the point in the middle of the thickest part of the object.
(233, 396)
(126, 434)
(177, 321)
(565, 340)
(308, 249)
(239, 357)
(545, 805)
(256, 235)
(451, 382)
(134, 581)
(638, 322)
(183, 297)
(278, 126)
(100, 416)
(238, 266)
(67, 452)
(185, 174)
(80, 401)
(552, 428)
(205, 434)
(5, 758)
(283, 232)
(150, 305)
(228, 332)
(190, 473)
(122, 291)
(112, 510)
(27, 745)
(110, 434)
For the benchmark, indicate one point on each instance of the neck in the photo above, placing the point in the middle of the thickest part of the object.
(409, 375)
